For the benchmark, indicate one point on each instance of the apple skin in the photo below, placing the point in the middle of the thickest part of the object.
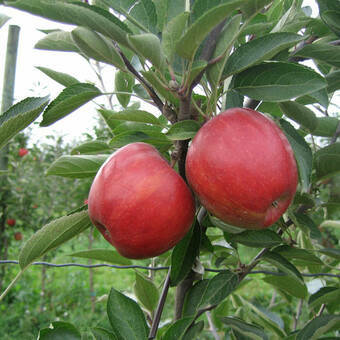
(139, 203)
(22, 152)
(242, 168)
(11, 222)
(18, 236)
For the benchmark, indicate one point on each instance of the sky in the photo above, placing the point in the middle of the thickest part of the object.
(32, 82)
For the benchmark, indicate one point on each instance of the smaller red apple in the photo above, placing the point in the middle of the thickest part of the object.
(18, 236)
(34, 206)
(22, 152)
(11, 222)
(86, 201)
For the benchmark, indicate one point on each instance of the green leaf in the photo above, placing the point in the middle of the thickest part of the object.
(224, 226)
(287, 284)
(79, 14)
(126, 317)
(327, 161)
(153, 79)
(300, 114)
(59, 330)
(300, 256)
(330, 14)
(131, 116)
(148, 45)
(197, 32)
(92, 147)
(172, 33)
(194, 331)
(326, 126)
(70, 99)
(258, 239)
(331, 252)
(97, 47)
(209, 292)
(321, 52)
(124, 83)
(105, 255)
(126, 126)
(333, 80)
(57, 41)
(100, 333)
(266, 318)
(284, 265)
(303, 153)
(19, 116)
(146, 291)
(198, 66)
(185, 129)
(324, 295)
(167, 10)
(251, 7)
(319, 326)
(144, 11)
(184, 255)
(248, 330)
(178, 329)
(224, 44)
(157, 139)
(278, 81)
(79, 166)
(258, 50)
(53, 235)
(61, 78)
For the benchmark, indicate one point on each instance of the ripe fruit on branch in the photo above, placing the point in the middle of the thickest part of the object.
(22, 152)
(242, 168)
(18, 236)
(139, 203)
(11, 222)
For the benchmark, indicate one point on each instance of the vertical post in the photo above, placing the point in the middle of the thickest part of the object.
(6, 103)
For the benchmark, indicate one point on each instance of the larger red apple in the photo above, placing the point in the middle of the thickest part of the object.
(241, 166)
(139, 203)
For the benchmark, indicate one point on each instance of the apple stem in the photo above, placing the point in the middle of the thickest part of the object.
(160, 307)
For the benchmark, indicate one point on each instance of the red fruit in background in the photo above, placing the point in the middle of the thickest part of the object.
(86, 201)
(242, 168)
(18, 236)
(35, 206)
(11, 222)
(139, 203)
(22, 152)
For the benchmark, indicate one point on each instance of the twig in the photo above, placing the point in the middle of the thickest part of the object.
(212, 326)
(148, 88)
(160, 306)
(298, 313)
(336, 134)
(322, 308)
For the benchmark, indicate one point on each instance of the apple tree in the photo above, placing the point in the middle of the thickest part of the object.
(187, 62)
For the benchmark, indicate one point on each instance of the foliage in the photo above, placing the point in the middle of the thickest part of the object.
(191, 60)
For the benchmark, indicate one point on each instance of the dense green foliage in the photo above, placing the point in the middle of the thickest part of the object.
(185, 61)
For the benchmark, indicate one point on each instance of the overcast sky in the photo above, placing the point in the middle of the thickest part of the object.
(32, 82)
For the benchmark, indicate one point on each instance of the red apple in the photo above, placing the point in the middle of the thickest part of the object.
(11, 222)
(86, 201)
(242, 168)
(139, 203)
(22, 152)
(18, 236)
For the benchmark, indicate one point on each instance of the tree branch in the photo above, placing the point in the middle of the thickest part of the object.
(160, 306)
(158, 102)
